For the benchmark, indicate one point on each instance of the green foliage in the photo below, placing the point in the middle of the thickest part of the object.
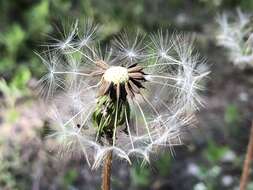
(248, 5)
(21, 79)
(214, 153)
(232, 115)
(163, 164)
(209, 172)
(209, 176)
(16, 89)
(12, 115)
(140, 176)
(70, 177)
(37, 18)
(63, 9)
(13, 38)
(10, 94)
(6, 64)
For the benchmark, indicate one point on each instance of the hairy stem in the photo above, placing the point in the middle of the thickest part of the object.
(247, 162)
(106, 173)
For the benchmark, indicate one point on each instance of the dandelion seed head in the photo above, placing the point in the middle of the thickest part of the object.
(129, 48)
(133, 97)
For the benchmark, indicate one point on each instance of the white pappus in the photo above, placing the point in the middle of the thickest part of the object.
(156, 76)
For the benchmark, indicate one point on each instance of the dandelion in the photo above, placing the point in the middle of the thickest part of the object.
(127, 100)
(235, 34)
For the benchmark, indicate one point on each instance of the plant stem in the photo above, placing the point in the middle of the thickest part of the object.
(247, 162)
(106, 173)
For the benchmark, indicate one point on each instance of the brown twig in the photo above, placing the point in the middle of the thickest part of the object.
(106, 173)
(247, 162)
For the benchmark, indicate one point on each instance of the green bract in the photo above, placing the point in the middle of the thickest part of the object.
(107, 112)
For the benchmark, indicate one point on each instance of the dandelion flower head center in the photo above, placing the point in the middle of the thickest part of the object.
(116, 74)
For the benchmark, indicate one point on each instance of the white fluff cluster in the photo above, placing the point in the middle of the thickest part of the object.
(236, 35)
(173, 74)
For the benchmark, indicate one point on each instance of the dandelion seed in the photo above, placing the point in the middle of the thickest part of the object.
(87, 34)
(127, 48)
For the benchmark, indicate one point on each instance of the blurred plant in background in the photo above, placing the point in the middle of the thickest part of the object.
(20, 24)
(236, 35)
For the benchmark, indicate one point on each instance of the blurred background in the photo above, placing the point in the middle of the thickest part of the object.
(213, 154)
